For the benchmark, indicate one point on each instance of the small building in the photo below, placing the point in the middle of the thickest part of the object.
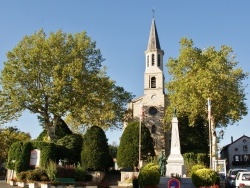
(237, 153)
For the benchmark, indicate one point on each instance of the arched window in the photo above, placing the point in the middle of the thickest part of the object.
(159, 60)
(153, 129)
(153, 59)
(153, 82)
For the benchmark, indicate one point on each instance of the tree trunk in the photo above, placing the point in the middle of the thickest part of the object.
(51, 127)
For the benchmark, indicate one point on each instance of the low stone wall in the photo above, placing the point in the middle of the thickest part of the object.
(97, 176)
(127, 178)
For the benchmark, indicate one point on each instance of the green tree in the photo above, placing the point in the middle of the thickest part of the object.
(201, 74)
(73, 143)
(95, 151)
(128, 150)
(193, 138)
(59, 75)
(61, 130)
(8, 136)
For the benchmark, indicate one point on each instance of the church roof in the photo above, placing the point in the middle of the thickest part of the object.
(153, 42)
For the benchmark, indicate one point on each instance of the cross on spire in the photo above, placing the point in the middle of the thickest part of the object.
(153, 12)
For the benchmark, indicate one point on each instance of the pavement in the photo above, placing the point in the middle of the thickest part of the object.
(3, 184)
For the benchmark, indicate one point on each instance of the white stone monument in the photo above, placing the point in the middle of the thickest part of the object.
(175, 162)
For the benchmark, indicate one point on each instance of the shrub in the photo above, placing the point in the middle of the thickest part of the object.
(32, 176)
(197, 167)
(21, 176)
(80, 173)
(149, 175)
(51, 170)
(204, 177)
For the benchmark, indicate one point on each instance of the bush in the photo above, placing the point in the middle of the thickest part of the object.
(204, 177)
(197, 167)
(33, 175)
(51, 170)
(149, 175)
(21, 176)
(80, 173)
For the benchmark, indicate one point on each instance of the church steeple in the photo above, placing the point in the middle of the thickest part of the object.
(153, 77)
(153, 42)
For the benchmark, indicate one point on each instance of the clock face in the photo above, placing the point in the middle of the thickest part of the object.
(152, 111)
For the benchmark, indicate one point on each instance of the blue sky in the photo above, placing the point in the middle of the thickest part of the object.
(121, 30)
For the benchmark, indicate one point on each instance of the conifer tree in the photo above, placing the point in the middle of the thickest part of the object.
(128, 150)
(95, 152)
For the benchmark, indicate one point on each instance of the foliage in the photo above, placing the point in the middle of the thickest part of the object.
(195, 159)
(59, 75)
(204, 177)
(73, 143)
(197, 75)
(128, 153)
(8, 136)
(193, 138)
(62, 130)
(197, 167)
(113, 150)
(19, 156)
(51, 170)
(21, 176)
(95, 152)
(80, 173)
(149, 175)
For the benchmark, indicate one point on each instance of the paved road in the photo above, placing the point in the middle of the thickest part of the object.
(3, 184)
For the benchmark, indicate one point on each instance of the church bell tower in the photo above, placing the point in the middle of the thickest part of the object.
(152, 103)
(154, 92)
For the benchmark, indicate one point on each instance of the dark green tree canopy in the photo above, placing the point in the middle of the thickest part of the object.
(95, 151)
(128, 150)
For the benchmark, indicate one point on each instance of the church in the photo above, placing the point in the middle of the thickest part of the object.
(151, 106)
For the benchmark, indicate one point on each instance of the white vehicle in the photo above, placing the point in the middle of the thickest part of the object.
(242, 180)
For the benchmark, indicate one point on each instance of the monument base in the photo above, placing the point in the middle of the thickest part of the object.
(178, 169)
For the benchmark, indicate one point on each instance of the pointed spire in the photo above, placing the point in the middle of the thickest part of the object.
(153, 42)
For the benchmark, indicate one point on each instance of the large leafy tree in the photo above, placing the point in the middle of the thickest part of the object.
(128, 150)
(56, 76)
(201, 74)
(95, 150)
(8, 136)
